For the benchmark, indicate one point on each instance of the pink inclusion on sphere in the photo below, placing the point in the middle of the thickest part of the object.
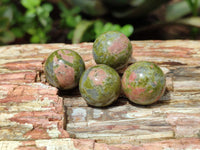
(118, 45)
(135, 93)
(98, 76)
(132, 77)
(65, 56)
(151, 91)
(64, 74)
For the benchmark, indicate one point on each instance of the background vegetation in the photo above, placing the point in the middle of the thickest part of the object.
(74, 21)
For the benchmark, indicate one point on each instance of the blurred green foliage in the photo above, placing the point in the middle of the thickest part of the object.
(37, 20)
(6, 16)
(175, 13)
(87, 30)
(83, 20)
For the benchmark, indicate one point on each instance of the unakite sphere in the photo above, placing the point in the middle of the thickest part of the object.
(143, 83)
(100, 85)
(63, 69)
(113, 49)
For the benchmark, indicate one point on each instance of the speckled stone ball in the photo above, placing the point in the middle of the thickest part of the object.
(143, 83)
(100, 85)
(113, 49)
(63, 69)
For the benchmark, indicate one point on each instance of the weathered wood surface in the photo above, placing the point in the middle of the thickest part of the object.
(85, 144)
(30, 109)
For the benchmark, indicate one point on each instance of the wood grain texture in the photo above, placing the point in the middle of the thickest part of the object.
(30, 109)
(84, 144)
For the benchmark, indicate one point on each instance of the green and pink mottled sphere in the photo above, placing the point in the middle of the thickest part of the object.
(63, 69)
(113, 49)
(143, 83)
(100, 85)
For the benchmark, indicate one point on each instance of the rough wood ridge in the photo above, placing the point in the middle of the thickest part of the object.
(35, 115)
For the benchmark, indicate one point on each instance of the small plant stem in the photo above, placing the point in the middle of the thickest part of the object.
(193, 4)
(195, 11)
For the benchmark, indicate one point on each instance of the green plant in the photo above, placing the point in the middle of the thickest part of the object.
(69, 18)
(90, 30)
(37, 21)
(30, 19)
(182, 12)
(15, 21)
(178, 10)
(82, 30)
(193, 4)
(100, 27)
(176, 13)
(118, 8)
(6, 15)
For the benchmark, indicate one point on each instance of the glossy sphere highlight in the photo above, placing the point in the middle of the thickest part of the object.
(143, 83)
(100, 85)
(63, 69)
(113, 49)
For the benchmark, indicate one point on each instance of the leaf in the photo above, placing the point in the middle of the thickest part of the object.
(72, 21)
(8, 13)
(89, 35)
(116, 27)
(31, 13)
(30, 4)
(70, 35)
(107, 27)
(39, 36)
(4, 23)
(2, 10)
(18, 32)
(191, 21)
(98, 26)
(193, 6)
(80, 30)
(42, 16)
(177, 10)
(43, 13)
(7, 37)
(69, 17)
(47, 7)
(75, 10)
(31, 30)
(127, 30)
(62, 7)
(35, 39)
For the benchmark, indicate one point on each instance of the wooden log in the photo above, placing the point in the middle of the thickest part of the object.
(53, 144)
(83, 144)
(166, 53)
(30, 109)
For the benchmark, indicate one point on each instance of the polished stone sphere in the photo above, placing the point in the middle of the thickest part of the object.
(113, 49)
(100, 85)
(143, 83)
(63, 69)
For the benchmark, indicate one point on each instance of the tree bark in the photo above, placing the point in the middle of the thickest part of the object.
(30, 109)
